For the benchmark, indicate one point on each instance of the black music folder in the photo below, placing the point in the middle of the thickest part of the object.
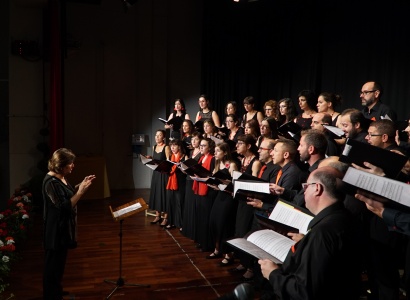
(290, 130)
(358, 153)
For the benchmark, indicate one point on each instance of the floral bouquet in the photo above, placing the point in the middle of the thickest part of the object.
(14, 223)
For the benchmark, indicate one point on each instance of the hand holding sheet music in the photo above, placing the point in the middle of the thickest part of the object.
(290, 215)
(265, 244)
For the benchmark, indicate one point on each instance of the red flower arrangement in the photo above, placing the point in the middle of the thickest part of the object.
(14, 223)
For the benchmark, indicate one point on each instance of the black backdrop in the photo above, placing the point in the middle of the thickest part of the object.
(275, 48)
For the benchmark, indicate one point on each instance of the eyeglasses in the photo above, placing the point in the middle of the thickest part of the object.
(369, 134)
(240, 143)
(203, 146)
(267, 149)
(306, 184)
(228, 121)
(366, 92)
(282, 106)
(268, 108)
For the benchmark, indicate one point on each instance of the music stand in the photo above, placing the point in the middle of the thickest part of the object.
(119, 214)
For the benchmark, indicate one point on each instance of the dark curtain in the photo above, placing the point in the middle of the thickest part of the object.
(56, 100)
(274, 49)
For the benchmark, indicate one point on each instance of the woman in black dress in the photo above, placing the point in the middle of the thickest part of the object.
(307, 103)
(251, 112)
(60, 219)
(176, 186)
(157, 198)
(205, 112)
(204, 197)
(189, 220)
(187, 131)
(269, 130)
(245, 213)
(223, 213)
(287, 110)
(252, 128)
(179, 111)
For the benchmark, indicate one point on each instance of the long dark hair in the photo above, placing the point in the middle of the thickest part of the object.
(183, 108)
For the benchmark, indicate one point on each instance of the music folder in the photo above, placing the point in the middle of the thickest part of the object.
(266, 223)
(176, 121)
(192, 168)
(358, 153)
(336, 132)
(290, 130)
(389, 191)
(163, 166)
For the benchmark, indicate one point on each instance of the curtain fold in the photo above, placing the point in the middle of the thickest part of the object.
(56, 100)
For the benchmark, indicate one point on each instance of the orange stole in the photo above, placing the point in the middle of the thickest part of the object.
(201, 188)
(172, 181)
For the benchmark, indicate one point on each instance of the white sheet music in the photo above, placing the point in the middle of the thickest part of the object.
(272, 242)
(261, 187)
(127, 209)
(288, 215)
(385, 187)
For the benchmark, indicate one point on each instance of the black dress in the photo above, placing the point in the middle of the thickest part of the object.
(304, 123)
(222, 218)
(157, 197)
(203, 207)
(59, 233)
(175, 200)
(188, 219)
(245, 212)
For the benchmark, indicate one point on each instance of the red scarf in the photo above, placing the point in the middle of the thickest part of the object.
(173, 181)
(201, 188)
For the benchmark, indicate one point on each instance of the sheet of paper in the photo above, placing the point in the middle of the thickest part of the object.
(127, 209)
(385, 187)
(272, 242)
(288, 215)
(252, 249)
(261, 187)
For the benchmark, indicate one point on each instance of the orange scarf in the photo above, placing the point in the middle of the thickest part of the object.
(173, 181)
(201, 188)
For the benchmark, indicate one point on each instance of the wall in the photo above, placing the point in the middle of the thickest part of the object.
(125, 74)
(128, 68)
(25, 94)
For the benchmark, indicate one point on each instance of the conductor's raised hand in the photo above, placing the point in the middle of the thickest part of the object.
(85, 184)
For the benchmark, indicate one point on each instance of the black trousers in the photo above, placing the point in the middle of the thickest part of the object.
(54, 264)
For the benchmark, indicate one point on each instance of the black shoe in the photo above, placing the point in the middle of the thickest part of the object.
(157, 220)
(227, 262)
(214, 255)
(164, 223)
(236, 270)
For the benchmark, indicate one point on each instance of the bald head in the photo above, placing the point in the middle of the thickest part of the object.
(324, 189)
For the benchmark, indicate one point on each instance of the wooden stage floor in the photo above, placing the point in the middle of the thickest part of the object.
(163, 259)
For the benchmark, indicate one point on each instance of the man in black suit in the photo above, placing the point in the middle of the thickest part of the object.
(373, 108)
(354, 124)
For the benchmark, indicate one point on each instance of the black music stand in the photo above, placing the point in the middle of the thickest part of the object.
(119, 214)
